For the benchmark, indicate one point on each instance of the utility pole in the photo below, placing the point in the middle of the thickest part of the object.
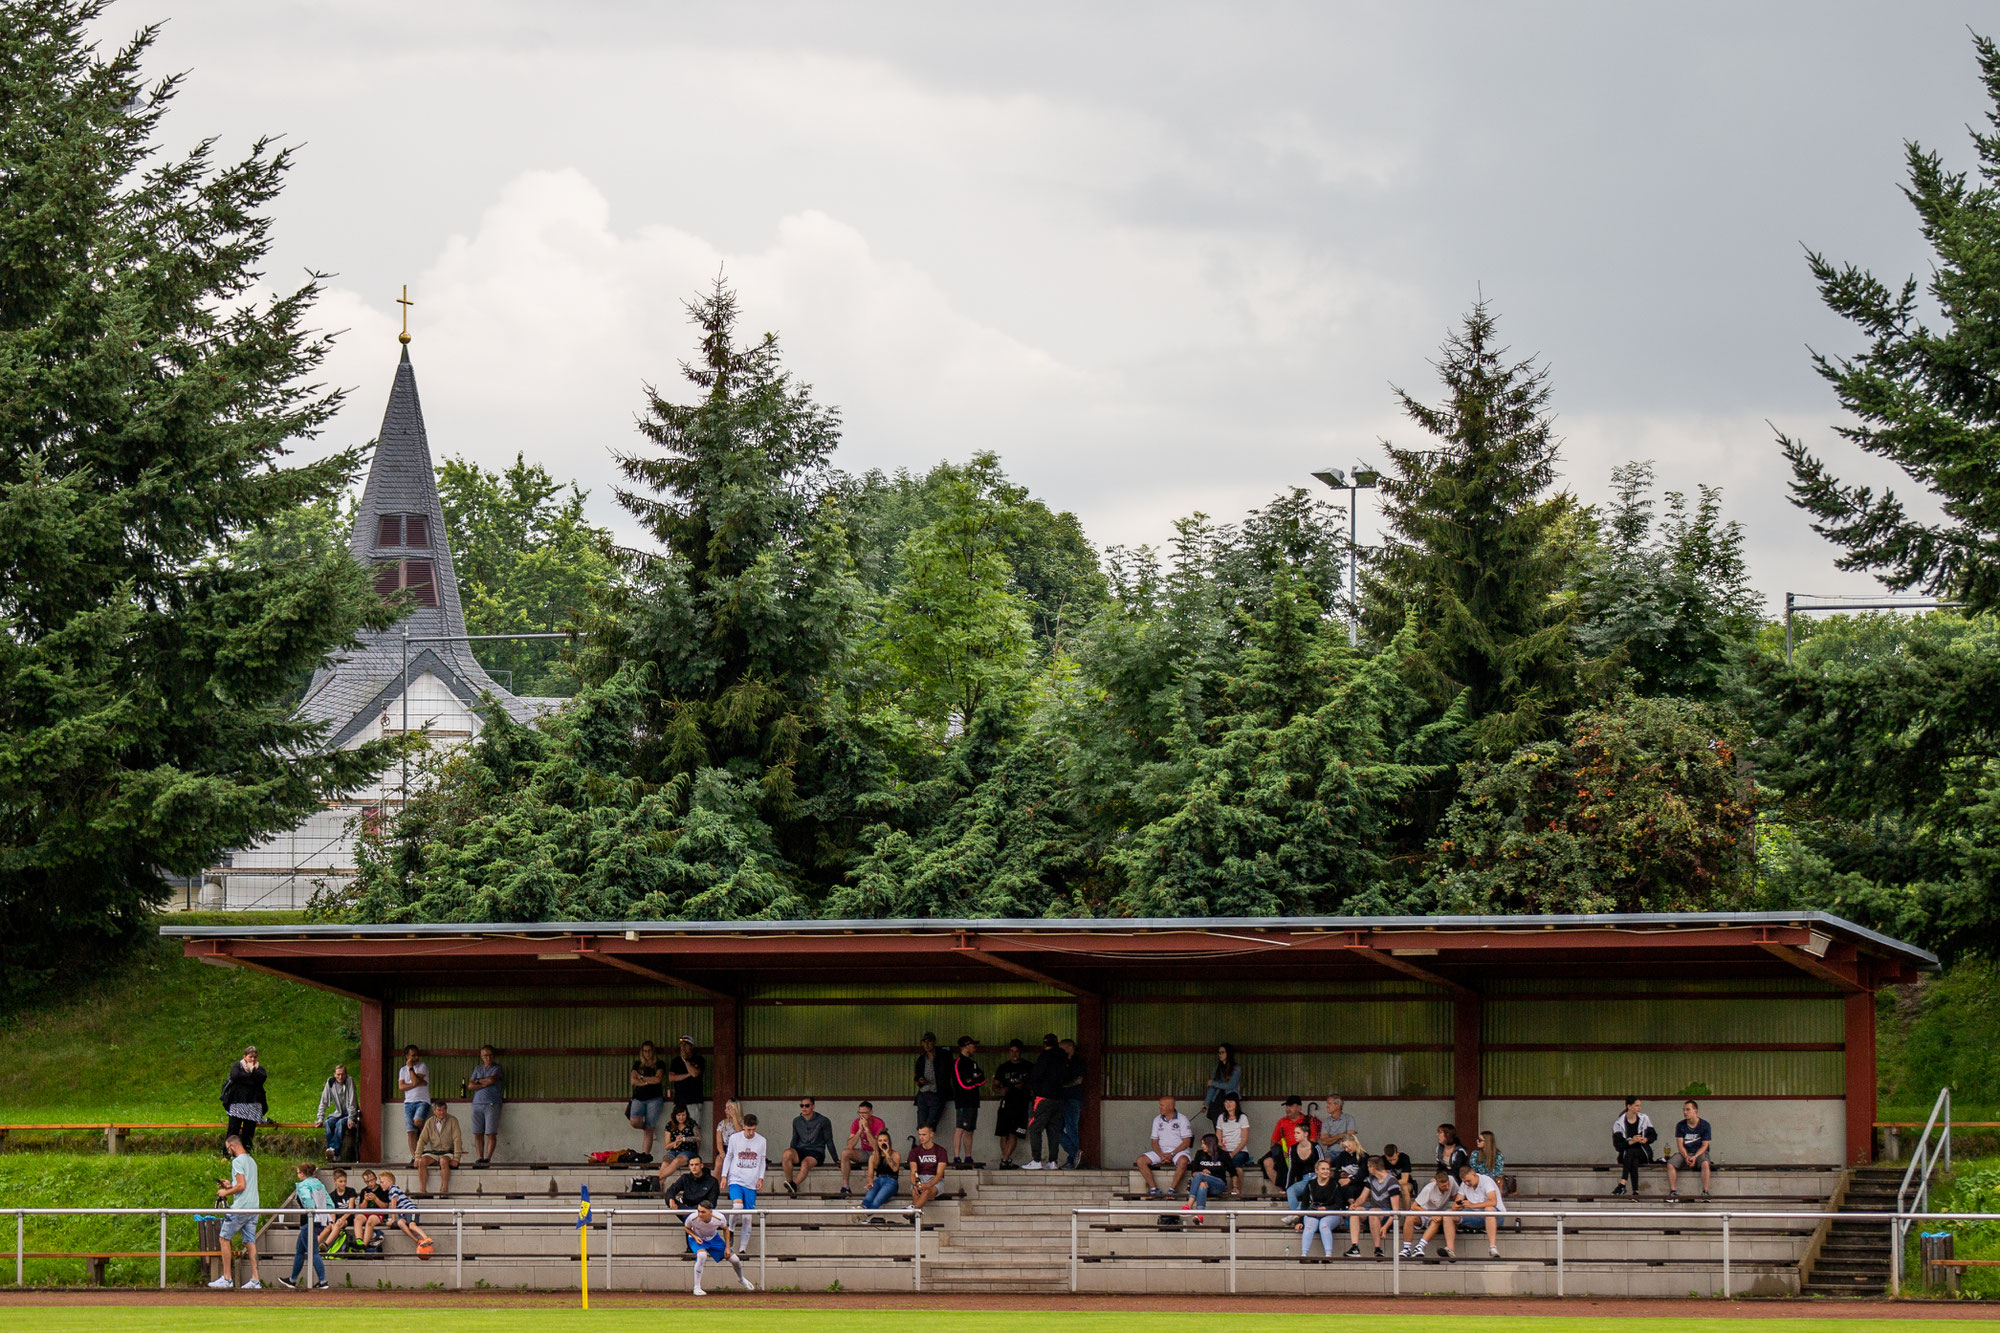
(1365, 479)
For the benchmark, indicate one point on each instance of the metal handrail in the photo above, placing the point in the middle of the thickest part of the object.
(759, 1218)
(1925, 1155)
(1477, 1217)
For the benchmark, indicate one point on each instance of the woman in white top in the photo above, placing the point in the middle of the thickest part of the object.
(1232, 1132)
(728, 1123)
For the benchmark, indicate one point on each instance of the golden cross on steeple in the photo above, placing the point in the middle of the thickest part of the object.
(405, 302)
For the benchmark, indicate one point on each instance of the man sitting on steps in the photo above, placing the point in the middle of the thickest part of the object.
(1169, 1144)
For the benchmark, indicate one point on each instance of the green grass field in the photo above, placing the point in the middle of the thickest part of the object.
(718, 1315)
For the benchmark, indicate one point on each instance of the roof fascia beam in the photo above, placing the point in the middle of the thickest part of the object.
(1410, 969)
(585, 949)
(1844, 975)
(220, 956)
(966, 948)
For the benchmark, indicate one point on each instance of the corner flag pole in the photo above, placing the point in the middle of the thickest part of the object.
(583, 1244)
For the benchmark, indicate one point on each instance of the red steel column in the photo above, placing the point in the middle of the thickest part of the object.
(724, 1052)
(1465, 1073)
(1860, 1056)
(371, 1076)
(1090, 1039)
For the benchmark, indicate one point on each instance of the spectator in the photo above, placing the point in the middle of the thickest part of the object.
(1321, 1200)
(927, 1168)
(1433, 1202)
(1010, 1122)
(811, 1145)
(1045, 1082)
(964, 1078)
(1336, 1124)
(374, 1205)
(1300, 1160)
(315, 1215)
(696, 1187)
(860, 1150)
(684, 1077)
(1350, 1159)
(930, 1074)
(1168, 1146)
(1488, 1160)
(708, 1238)
(414, 1078)
(1378, 1195)
(403, 1215)
(730, 1124)
(745, 1161)
(1209, 1174)
(335, 1237)
(1400, 1166)
(1283, 1136)
(1072, 1130)
(648, 1102)
(238, 1195)
(243, 1098)
(1232, 1135)
(488, 1096)
(439, 1145)
(1632, 1138)
(884, 1166)
(1480, 1195)
(1451, 1154)
(1225, 1081)
(337, 1112)
(1692, 1144)
(680, 1142)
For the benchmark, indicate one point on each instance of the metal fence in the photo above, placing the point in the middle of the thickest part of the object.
(1896, 1224)
(603, 1218)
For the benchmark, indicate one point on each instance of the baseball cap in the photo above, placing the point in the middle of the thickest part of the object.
(1295, 1101)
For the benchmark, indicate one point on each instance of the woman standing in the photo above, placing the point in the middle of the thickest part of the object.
(1226, 1081)
(730, 1122)
(243, 1097)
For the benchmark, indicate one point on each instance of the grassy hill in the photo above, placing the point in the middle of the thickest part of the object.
(152, 1040)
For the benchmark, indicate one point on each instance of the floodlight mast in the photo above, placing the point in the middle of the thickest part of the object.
(1365, 479)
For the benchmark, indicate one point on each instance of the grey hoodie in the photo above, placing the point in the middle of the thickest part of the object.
(340, 1096)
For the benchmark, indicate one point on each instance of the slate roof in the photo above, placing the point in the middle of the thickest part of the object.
(360, 683)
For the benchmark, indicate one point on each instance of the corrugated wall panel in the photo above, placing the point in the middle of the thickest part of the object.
(1664, 1020)
(1746, 985)
(584, 1077)
(973, 990)
(1303, 1023)
(1202, 986)
(883, 1078)
(900, 1024)
(609, 1024)
(1372, 1074)
(1662, 1074)
(568, 995)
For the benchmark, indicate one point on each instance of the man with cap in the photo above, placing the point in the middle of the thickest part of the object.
(964, 1080)
(684, 1079)
(930, 1082)
(1281, 1135)
(1016, 1099)
(1045, 1084)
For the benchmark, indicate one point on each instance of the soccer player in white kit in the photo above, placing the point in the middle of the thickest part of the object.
(744, 1160)
(708, 1238)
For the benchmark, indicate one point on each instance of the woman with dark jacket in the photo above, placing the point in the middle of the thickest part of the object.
(1226, 1081)
(1296, 1167)
(243, 1097)
(1632, 1138)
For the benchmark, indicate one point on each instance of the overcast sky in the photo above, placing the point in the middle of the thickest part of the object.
(1161, 258)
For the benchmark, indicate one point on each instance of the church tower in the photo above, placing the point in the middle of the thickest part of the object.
(419, 672)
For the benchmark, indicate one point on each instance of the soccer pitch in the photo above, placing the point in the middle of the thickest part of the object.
(742, 1319)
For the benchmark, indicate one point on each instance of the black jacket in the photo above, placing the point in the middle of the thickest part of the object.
(940, 1063)
(1051, 1069)
(1295, 1168)
(691, 1190)
(1328, 1198)
(964, 1079)
(245, 1085)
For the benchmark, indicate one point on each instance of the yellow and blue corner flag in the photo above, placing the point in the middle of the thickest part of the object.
(583, 1209)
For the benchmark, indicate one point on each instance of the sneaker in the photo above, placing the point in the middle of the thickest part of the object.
(1073, 1164)
(1354, 1251)
(1673, 1196)
(1448, 1256)
(699, 1292)
(329, 1154)
(1492, 1251)
(1034, 1166)
(1293, 1219)
(1620, 1189)
(319, 1286)
(1417, 1250)
(791, 1189)
(747, 1284)
(846, 1193)
(1154, 1194)
(1198, 1219)
(1406, 1251)
(223, 1283)
(1378, 1254)
(253, 1285)
(287, 1283)
(1704, 1196)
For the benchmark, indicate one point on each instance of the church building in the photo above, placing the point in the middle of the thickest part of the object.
(418, 674)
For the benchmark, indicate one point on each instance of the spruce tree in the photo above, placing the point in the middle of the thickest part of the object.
(147, 651)
(1478, 549)
(1924, 395)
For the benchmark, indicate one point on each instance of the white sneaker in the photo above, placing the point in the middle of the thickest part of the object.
(748, 1285)
(1031, 1166)
(223, 1283)
(699, 1292)
(253, 1285)
(1492, 1251)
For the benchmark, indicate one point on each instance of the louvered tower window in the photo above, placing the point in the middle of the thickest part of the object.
(415, 577)
(404, 530)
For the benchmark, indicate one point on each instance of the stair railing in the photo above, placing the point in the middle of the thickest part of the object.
(1926, 1155)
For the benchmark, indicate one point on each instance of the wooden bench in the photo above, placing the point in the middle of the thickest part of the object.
(95, 1260)
(114, 1134)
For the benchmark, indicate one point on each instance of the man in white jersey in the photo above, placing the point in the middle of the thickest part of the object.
(1433, 1201)
(1171, 1135)
(1478, 1196)
(744, 1160)
(708, 1238)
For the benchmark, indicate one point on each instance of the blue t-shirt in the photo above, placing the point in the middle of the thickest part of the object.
(490, 1094)
(1691, 1136)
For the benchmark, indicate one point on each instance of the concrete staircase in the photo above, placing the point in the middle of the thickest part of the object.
(1854, 1259)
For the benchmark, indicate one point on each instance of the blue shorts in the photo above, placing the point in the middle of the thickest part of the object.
(240, 1226)
(415, 1113)
(742, 1196)
(713, 1245)
(647, 1109)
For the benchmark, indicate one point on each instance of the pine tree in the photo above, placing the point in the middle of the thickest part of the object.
(147, 652)
(1925, 397)
(1478, 550)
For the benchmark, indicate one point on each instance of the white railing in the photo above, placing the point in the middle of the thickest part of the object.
(602, 1216)
(1473, 1222)
(1925, 1155)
